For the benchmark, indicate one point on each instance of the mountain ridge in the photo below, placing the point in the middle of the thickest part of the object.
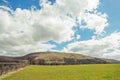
(59, 58)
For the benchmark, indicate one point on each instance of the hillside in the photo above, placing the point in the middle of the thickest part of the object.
(7, 59)
(57, 55)
(52, 58)
(64, 58)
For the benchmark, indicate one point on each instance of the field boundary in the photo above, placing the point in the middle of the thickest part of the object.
(10, 73)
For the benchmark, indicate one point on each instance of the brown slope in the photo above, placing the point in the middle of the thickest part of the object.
(5, 59)
(60, 55)
(57, 58)
(111, 61)
(61, 58)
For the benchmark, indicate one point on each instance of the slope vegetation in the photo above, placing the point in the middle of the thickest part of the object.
(64, 58)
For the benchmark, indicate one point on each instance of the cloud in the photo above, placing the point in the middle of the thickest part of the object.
(22, 29)
(107, 47)
(76, 7)
(95, 21)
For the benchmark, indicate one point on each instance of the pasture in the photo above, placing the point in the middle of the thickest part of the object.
(68, 72)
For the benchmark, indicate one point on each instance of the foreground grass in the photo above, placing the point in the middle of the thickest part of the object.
(68, 72)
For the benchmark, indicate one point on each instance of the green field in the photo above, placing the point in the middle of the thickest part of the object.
(68, 72)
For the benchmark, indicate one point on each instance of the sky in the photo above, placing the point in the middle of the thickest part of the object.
(89, 27)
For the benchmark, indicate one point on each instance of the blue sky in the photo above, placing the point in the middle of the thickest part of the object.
(49, 28)
(112, 9)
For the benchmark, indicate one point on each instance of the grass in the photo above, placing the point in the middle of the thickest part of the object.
(68, 72)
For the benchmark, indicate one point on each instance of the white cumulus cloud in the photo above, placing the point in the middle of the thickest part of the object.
(107, 47)
(22, 30)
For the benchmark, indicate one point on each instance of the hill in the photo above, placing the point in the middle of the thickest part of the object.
(57, 58)
(64, 58)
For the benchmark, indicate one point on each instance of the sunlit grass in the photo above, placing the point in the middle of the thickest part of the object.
(68, 72)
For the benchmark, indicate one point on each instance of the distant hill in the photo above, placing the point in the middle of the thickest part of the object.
(6, 59)
(64, 58)
(57, 58)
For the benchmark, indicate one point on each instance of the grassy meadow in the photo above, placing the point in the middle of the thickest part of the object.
(68, 72)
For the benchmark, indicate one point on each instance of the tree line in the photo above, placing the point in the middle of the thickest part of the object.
(66, 61)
